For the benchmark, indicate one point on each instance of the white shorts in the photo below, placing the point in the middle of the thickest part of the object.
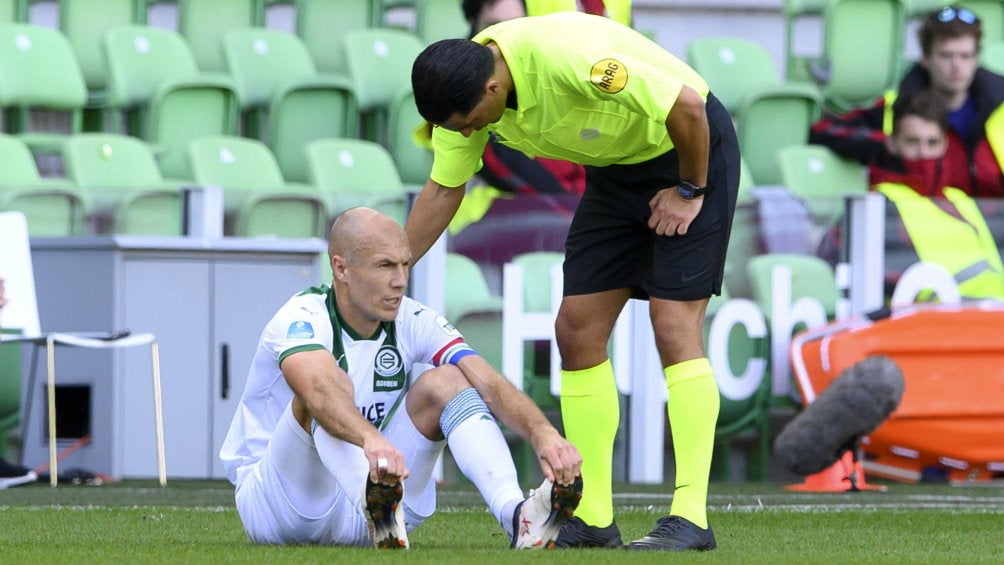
(308, 489)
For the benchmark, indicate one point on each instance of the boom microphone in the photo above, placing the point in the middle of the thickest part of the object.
(853, 405)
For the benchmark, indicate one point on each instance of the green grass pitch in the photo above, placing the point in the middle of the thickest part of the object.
(194, 522)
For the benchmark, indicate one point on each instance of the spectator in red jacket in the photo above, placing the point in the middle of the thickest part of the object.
(973, 97)
(915, 149)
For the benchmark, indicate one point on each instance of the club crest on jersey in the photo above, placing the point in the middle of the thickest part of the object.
(388, 373)
(300, 330)
(609, 75)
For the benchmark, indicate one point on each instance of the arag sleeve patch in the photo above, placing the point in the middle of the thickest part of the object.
(609, 75)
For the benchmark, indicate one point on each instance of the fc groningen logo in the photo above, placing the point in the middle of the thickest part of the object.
(388, 370)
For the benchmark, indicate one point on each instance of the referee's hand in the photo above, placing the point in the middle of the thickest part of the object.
(671, 213)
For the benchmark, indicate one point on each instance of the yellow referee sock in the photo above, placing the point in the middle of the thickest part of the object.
(590, 412)
(693, 414)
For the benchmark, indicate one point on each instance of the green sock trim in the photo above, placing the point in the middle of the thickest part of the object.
(590, 412)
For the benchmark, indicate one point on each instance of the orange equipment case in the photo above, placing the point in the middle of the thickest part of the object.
(950, 422)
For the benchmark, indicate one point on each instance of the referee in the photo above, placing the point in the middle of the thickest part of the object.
(662, 173)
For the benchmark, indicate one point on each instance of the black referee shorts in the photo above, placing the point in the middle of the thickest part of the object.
(610, 245)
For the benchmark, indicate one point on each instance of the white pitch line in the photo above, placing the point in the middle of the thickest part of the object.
(817, 496)
(827, 508)
(88, 507)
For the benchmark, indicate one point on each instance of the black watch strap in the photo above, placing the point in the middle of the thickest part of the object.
(690, 191)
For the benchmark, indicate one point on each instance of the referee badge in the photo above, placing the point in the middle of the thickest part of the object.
(609, 75)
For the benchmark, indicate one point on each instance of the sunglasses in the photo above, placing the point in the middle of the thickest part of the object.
(948, 14)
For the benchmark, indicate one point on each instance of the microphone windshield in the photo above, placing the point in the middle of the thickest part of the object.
(852, 406)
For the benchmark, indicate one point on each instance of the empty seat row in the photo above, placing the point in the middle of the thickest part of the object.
(320, 23)
(770, 112)
(271, 92)
(113, 185)
(793, 215)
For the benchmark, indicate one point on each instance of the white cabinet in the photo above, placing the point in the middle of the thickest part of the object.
(206, 302)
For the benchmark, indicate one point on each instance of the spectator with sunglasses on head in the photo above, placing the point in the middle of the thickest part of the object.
(973, 97)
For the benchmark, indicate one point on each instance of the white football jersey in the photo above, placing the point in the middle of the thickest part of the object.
(379, 365)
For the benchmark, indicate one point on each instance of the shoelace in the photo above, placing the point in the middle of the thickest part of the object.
(667, 526)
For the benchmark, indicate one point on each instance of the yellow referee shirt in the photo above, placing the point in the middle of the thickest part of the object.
(589, 90)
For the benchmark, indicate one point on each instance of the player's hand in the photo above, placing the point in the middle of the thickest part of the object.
(559, 460)
(386, 462)
(671, 213)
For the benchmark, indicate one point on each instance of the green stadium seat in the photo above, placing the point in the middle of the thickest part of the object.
(822, 179)
(744, 241)
(811, 276)
(39, 72)
(537, 298)
(992, 57)
(287, 104)
(155, 83)
(356, 172)
(52, 207)
(12, 11)
(84, 24)
(794, 13)
(733, 67)
(203, 23)
(382, 8)
(918, 8)
(472, 308)
(861, 54)
(257, 200)
(466, 289)
(772, 119)
(741, 418)
(122, 176)
(862, 50)
(326, 41)
(769, 113)
(537, 278)
(393, 51)
(414, 161)
(991, 15)
(440, 19)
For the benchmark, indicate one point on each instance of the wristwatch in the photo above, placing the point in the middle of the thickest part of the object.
(690, 191)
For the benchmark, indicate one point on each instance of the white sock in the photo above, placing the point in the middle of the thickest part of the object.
(508, 509)
(482, 454)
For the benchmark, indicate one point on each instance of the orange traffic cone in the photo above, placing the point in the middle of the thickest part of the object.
(845, 475)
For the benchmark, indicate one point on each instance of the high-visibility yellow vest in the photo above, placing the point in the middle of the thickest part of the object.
(541, 7)
(887, 113)
(964, 247)
(995, 133)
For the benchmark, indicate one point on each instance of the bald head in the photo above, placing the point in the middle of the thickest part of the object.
(362, 229)
(370, 258)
